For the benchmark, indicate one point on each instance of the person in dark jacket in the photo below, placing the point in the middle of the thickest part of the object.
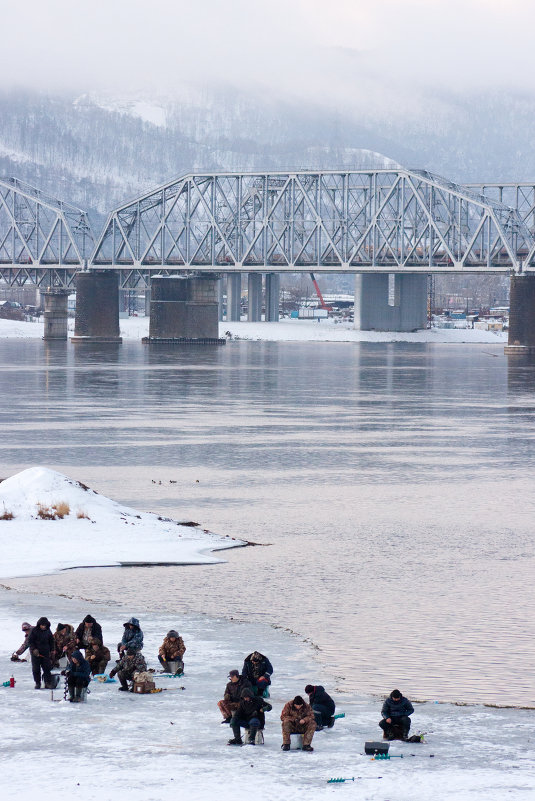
(78, 674)
(396, 710)
(98, 657)
(41, 644)
(322, 705)
(231, 698)
(131, 662)
(258, 669)
(249, 715)
(26, 629)
(132, 637)
(87, 630)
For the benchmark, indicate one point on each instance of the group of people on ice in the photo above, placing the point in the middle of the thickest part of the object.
(66, 644)
(244, 702)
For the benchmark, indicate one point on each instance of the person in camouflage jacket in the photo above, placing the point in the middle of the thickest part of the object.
(98, 657)
(65, 640)
(297, 718)
(131, 662)
(172, 650)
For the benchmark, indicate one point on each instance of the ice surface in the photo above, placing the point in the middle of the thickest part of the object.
(95, 532)
(171, 745)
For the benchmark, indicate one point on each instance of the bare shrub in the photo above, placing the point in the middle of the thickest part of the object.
(81, 515)
(62, 509)
(7, 515)
(45, 512)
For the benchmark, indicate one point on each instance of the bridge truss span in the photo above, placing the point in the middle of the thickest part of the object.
(42, 239)
(330, 221)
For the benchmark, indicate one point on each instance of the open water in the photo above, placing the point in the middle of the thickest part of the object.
(391, 483)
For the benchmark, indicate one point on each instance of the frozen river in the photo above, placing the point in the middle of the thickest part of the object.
(392, 484)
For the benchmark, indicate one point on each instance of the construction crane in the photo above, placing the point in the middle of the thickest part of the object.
(318, 293)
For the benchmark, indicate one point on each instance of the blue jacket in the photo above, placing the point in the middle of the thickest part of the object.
(132, 638)
(397, 709)
(80, 671)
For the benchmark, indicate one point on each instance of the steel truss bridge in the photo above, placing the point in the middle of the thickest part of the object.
(361, 221)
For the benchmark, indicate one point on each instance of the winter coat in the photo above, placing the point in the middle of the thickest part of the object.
(65, 637)
(234, 688)
(397, 709)
(253, 708)
(254, 670)
(132, 638)
(172, 651)
(96, 630)
(25, 645)
(128, 665)
(101, 654)
(290, 712)
(80, 671)
(42, 640)
(319, 696)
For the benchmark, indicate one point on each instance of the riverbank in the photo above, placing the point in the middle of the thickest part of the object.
(157, 746)
(329, 330)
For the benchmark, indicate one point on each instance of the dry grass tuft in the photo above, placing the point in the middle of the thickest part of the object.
(62, 509)
(45, 512)
(81, 515)
(7, 515)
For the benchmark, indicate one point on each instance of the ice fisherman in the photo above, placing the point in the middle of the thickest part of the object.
(78, 674)
(396, 722)
(232, 695)
(258, 669)
(297, 718)
(132, 661)
(65, 640)
(322, 705)
(87, 630)
(172, 650)
(132, 637)
(248, 715)
(16, 655)
(42, 648)
(98, 657)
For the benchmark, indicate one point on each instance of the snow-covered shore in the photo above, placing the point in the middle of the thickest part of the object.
(134, 328)
(172, 745)
(93, 531)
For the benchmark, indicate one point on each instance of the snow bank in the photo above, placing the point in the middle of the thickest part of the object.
(171, 745)
(94, 532)
(289, 330)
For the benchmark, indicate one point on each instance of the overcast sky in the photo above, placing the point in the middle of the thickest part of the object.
(331, 51)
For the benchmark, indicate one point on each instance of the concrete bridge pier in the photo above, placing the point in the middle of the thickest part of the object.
(184, 310)
(521, 340)
(97, 307)
(55, 313)
(254, 297)
(390, 302)
(272, 297)
(233, 297)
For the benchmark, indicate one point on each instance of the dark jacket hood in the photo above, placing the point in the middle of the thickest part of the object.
(43, 621)
(78, 655)
(89, 619)
(132, 622)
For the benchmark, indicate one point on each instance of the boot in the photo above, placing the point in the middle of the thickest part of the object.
(285, 746)
(307, 748)
(235, 741)
(71, 695)
(252, 736)
(37, 685)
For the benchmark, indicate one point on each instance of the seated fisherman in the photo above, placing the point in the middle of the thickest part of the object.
(322, 705)
(396, 722)
(98, 657)
(132, 661)
(249, 715)
(231, 698)
(78, 674)
(258, 669)
(172, 650)
(297, 718)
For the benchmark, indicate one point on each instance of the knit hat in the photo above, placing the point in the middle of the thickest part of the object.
(26, 626)
(395, 694)
(298, 701)
(309, 689)
(172, 633)
(61, 626)
(247, 693)
(233, 673)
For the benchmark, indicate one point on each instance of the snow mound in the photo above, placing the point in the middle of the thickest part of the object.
(50, 522)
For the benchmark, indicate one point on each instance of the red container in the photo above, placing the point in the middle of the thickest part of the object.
(11, 682)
